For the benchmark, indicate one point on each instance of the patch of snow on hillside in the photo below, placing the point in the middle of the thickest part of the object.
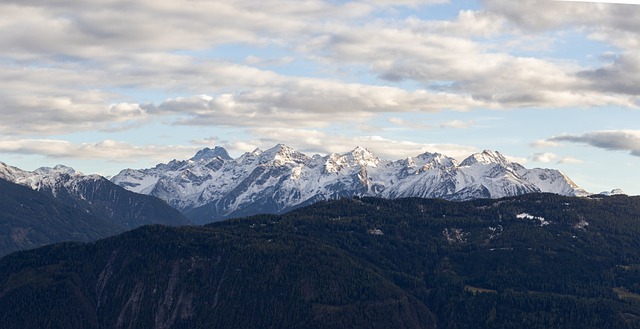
(543, 222)
(581, 225)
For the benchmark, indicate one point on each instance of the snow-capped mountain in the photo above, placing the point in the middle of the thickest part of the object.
(213, 186)
(95, 195)
(53, 180)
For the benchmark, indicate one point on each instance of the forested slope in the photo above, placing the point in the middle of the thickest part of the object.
(534, 261)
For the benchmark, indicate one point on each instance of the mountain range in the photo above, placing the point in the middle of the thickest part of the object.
(212, 186)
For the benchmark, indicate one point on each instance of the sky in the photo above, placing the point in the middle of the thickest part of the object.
(104, 85)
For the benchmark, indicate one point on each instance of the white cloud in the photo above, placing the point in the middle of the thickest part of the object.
(259, 61)
(305, 103)
(417, 125)
(107, 149)
(458, 124)
(628, 2)
(543, 157)
(515, 159)
(544, 143)
(570, 160)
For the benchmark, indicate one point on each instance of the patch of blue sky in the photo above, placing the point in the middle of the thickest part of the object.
(572, 46)
(438, 11)
(362, 74)
(578, 46)
(518, 128)
(134, 94)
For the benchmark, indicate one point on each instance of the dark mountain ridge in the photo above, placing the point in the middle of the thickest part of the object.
(533, 261)
(31, 219)
(52, 205)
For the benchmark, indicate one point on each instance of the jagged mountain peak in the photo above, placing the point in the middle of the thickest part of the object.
(57, 170)
(486, 157)
(208, 154)
(363, 157)
(281, 154)
(437, 158)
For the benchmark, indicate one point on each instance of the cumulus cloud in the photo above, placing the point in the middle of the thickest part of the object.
(544, 143)
(612, 140)
(305, 103)
(106, 149)
(543, 157)
(463, 66)
(570, 160)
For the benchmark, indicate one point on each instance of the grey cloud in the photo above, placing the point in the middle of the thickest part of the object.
(305, 103)
(622, 76)
(544, 15)
(468, 68)
(614, 140)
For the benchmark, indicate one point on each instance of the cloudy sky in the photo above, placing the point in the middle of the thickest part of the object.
(103, 85)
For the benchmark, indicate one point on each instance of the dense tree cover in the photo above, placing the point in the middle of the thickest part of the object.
(534, 261)
(30, 219)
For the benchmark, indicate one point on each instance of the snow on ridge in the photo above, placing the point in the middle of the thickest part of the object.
(287, 177)
(53, 179)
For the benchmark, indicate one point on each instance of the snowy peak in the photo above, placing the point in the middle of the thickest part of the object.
(616, 191)
(486, 157)
(363, 157)
(45, 178)
(436, 160)
(57, 170)
(209, 154)
(358, 158)
(10, 173)
(282, 154)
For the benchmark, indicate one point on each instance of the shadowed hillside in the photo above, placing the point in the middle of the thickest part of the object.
(535, 261)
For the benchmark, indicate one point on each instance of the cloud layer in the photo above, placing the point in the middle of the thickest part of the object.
(68, 65)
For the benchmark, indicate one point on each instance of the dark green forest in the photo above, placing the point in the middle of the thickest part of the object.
(30, 218)
(533, 261)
